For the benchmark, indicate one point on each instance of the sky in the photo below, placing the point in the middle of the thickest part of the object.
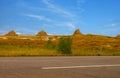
(101, 17)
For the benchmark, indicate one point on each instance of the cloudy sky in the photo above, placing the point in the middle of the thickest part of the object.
(100, 17)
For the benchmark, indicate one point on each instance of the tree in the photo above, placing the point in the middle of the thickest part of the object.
(64, 45)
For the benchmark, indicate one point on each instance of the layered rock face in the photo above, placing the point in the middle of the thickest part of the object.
(11, 33)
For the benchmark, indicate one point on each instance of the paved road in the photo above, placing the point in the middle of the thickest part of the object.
(60, 67)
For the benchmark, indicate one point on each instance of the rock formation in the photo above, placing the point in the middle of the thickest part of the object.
(77, 33)
(41, 33)
(11, 33)
(118, 36)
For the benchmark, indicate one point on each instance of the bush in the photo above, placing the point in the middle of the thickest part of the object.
(50, 45)
(64, 45)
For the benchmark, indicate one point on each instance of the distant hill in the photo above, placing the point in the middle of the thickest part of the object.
(11, 33)
(77, 33)
(118, 36)
(85, 41)
(42, 33)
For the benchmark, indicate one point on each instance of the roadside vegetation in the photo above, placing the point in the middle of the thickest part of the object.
(10, 50)
(65, 46)
(76, 45)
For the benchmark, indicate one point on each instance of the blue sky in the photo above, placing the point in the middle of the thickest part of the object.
(100, 17)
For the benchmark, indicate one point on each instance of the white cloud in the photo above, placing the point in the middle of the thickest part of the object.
(112, 25)
(39, 17)
(80, 5)
(18, 33)
(111, 29)
(70, 25)
(35, 16)
(54, 8)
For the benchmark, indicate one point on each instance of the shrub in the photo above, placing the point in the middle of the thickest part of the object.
(64, 45)
(50, 45)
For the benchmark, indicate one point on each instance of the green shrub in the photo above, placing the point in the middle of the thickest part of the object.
(50, 45)
(64, 45)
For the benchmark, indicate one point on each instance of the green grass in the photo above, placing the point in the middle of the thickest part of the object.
(9, 50)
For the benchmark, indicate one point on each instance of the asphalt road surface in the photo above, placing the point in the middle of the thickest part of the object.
(60, 67)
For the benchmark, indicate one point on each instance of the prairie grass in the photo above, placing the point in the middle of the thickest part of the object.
(26, 51)
(10, 50)
(88, 52)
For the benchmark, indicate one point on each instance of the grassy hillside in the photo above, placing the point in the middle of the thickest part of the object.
(87, 45)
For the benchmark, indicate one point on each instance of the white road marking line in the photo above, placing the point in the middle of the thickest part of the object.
(68, 67)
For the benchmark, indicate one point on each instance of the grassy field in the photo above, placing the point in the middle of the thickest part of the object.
(9, 50)
(25, 51)
(88, 52)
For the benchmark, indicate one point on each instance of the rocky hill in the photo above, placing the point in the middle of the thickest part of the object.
(77, 33)
(118, 36)
(84, 41)
(42, 33)
(11, 33)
